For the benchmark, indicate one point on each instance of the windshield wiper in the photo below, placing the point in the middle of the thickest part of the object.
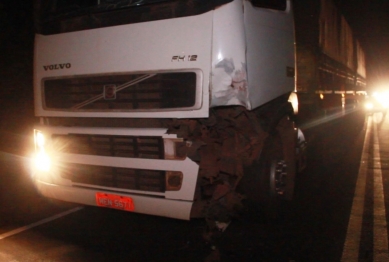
(119, 88)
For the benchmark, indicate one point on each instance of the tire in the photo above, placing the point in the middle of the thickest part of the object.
(270, 190)
(269, 182)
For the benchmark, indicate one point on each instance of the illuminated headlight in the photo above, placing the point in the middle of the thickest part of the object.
(384, 102)
(40, 139)
(369, 106)
(382, 98)
(41, 159)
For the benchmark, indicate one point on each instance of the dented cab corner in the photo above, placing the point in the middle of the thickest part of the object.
(229, 73)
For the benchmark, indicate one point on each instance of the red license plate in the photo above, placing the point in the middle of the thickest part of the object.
(115, 201)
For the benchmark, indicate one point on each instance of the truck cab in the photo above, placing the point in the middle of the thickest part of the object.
(161, 106)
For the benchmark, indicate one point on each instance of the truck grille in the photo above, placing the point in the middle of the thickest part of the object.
(129, 92)
(108, 145)
(121, 178)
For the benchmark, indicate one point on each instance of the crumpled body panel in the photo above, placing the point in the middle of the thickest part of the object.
(229, 73)
(252, 55)
(230, 83)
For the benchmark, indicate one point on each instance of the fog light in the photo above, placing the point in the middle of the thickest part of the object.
(173, 180)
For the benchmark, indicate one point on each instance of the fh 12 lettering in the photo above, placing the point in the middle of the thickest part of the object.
(179, 58)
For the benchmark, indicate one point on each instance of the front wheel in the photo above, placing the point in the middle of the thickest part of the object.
(269, 181)
(271, 174)
(278, 175)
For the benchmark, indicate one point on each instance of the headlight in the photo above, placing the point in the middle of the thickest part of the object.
(384, 101)
(369, 106)
(41, 159)
(39, 139)
(382, 98)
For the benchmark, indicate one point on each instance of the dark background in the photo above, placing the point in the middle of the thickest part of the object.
(16, 87)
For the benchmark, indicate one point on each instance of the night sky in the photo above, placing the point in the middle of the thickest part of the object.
(368, 18)
(16, 57)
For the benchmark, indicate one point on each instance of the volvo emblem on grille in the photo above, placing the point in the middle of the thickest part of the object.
(109, 92)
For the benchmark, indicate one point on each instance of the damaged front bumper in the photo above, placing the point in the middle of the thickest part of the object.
(85, 162)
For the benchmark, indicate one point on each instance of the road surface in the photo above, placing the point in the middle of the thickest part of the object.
(339, 212)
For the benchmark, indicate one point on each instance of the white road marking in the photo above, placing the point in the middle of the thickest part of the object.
(43, 221)
(380, 231)
(380, 252)
(353, 237)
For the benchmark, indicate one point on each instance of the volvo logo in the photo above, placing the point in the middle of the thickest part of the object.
(109, 92)
(57, 66)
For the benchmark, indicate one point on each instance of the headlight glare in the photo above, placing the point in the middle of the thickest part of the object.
(40, 140)
(369, 105)
(42, 160)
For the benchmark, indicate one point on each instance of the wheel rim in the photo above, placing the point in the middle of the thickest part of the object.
(278, 175)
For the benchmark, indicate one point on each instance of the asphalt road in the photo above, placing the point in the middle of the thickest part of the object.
(313, 227)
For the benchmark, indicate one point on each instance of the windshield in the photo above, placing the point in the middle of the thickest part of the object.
(59, 16)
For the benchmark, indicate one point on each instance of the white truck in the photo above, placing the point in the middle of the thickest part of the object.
(172, 108)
